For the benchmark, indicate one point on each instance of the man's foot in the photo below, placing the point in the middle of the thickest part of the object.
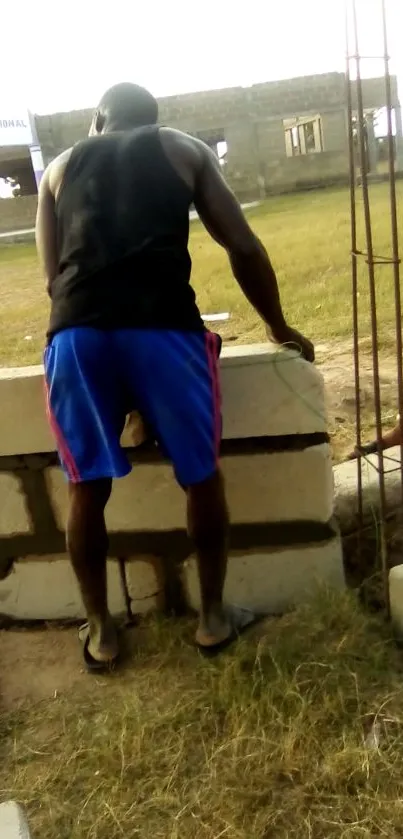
(100, 644)
(217, 632)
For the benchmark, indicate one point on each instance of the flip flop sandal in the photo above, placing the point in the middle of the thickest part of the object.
(241, 620)
(92, 665)
(369, 448)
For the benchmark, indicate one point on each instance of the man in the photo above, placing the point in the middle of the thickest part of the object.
(125, 334)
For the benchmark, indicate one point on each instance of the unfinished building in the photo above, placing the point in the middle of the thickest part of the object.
(271, 137)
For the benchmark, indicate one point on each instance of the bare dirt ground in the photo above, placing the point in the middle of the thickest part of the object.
(335, 361)
(39, 664)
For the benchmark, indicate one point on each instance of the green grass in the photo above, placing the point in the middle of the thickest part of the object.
(267, 743)
(308, 238)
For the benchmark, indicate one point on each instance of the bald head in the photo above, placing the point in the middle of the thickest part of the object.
(123, 107)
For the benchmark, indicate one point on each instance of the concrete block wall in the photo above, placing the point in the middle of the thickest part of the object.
(17, 213)
(215, 109)
(277, 466)
(373, 92)
(251, 121)
(309, 170)
(270, 139)
(210, 109)
(294, 97)
(57, 132)
(334, 131)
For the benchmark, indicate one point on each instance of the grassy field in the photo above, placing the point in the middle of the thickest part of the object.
(276, 740)
(308, 238)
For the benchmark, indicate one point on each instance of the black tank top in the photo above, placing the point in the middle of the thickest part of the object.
(123, 229)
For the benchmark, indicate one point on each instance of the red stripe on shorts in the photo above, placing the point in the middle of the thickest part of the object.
(64, 451)
(212, 341)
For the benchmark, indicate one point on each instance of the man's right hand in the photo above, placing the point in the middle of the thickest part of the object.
(295, 340)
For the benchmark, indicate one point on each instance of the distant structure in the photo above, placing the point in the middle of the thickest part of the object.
(271, 137)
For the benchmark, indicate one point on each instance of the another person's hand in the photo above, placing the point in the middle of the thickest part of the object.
(292, 338)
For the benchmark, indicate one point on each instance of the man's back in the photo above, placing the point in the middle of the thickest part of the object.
(123, 225)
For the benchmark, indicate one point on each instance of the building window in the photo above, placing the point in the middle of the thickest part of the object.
(217, 143)
(222, 151)
(303, 135)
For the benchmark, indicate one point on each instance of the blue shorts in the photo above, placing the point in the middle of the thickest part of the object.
(94, 378)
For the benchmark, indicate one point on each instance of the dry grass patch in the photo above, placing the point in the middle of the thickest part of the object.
(267, 742)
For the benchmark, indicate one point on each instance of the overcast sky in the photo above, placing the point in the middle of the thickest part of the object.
(57, 61)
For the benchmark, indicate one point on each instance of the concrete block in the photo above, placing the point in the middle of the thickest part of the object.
(282, 486)
(13, 513)
(147, 499)
(144, 582)
(58, 493)
(17, 217)
(266, 392)
(23, 424)
(46, 589)
(345, 478)
(273, 582)
(13, 824)
(279, 392)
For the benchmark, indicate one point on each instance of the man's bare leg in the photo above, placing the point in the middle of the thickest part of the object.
(87, 543)
(208, 527)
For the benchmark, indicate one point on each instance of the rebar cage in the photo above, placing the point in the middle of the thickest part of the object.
(360, 190)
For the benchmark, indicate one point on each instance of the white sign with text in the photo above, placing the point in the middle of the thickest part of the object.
(15, 128)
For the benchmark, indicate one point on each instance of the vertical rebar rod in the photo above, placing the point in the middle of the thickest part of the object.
(395, 235)
(372, 293)
(354, 272)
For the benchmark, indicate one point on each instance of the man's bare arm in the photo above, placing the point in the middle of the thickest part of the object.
(46, 222)
(222, 215)
(46, 230)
